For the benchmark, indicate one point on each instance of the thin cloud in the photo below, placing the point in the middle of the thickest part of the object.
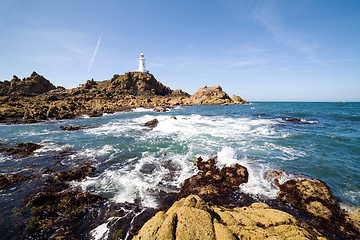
(95, 51)
(266, 14)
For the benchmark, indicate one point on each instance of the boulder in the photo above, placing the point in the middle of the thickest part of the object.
(152, 123)
(193, 218)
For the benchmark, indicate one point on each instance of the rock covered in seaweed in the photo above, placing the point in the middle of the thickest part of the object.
(314, 197)
(23, 149)
(212, 184)
(192, 218)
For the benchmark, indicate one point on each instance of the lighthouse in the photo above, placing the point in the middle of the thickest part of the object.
(142, 64)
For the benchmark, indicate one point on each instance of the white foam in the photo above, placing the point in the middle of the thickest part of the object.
(100, 232)
(49, 146)
(141, 109)
(226, 157)
(132, 182)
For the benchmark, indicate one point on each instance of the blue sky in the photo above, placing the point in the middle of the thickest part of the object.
(268, 50)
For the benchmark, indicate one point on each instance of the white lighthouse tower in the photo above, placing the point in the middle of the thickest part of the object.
(142, 64)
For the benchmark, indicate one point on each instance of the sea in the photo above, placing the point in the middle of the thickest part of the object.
(132, 160)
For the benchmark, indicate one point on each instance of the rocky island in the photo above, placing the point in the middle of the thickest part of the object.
(35, 99)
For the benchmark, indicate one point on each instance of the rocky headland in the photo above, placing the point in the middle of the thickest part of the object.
(35, 99)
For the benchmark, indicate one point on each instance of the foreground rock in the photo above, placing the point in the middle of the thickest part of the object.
(212, 184)
(192, 218)
(314, 197)
(23, 149)
(59, 215)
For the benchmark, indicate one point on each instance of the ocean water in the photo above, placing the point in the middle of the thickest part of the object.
(134, 163)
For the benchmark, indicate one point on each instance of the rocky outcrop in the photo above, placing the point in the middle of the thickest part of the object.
(30, 86)
(122, 92)
(211, 96)
(137, 83)
(212, 184)
(192, 218)
(238, 100)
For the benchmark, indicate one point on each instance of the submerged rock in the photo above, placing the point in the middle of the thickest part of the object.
(72, 128)
(59, 215)
(8, 180)
(24, 149)
(212, 184)
(192, 218)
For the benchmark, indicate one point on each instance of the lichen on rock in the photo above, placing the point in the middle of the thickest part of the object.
(192, 218)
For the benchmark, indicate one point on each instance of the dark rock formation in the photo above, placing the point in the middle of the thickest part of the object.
(77, 174)
(30, 86)
(59, 215)
(212, 184)
(24, 149)
(8, 180)
(151, 124)
(72, 128)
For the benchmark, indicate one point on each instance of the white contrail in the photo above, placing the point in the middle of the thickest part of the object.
(95, 51)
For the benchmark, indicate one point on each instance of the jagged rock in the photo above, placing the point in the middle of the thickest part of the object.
(8, 180)
(138, 83)
(210, 95)
(315, 198)
(212, 184)
(24, 149)
(30, 86)
(151, 124)
(192, 218)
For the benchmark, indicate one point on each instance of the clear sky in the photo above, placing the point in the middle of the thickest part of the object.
(304, 50)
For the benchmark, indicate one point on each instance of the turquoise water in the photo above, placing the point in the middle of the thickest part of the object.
(132, 161)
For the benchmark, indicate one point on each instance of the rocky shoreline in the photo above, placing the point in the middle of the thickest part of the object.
(35, 99)
(209, 205)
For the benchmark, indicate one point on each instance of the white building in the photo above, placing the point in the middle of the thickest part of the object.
(142, 67)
